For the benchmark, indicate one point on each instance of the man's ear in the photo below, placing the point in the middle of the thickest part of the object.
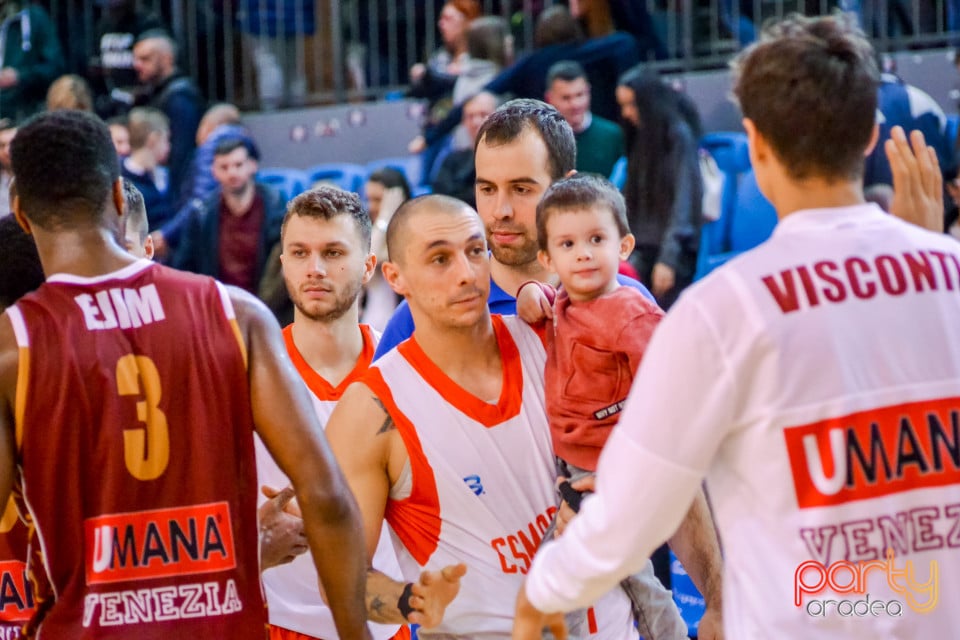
(369, 267)
(119, 202)
(391, 273)
(874, 138)
(148, 248)
(18, 214)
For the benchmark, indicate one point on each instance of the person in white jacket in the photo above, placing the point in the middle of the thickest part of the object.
(814, 381)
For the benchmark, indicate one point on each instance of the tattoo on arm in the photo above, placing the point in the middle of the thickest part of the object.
(388, 424)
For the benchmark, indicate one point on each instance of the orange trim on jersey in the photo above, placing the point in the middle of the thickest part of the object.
(20, 400)
(592, 625)
(239, 336)
(317, 383)
(415, 519)
(540, 328)
(511, 388)
(280, 633)
(403, 633)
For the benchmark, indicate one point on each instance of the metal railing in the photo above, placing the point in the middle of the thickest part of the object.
(267, 53)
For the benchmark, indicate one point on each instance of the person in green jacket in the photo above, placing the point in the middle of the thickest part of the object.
(31, 58)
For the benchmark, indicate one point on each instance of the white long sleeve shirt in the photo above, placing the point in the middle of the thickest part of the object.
(815, 382)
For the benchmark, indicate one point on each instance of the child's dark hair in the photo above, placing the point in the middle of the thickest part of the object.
(581, 191)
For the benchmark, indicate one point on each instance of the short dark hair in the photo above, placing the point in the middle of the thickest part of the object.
(65, 165)
(19, 262)
(566, 70)
(810, 87)
(326, 202)
(556, 25)
(135, 214)
(511, 119)
(580, 191)
(401, 217)
(229, 145)
(390, 178)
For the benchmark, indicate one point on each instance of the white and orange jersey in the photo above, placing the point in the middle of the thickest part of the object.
(292, 596)
(482, 482)
(815, 381)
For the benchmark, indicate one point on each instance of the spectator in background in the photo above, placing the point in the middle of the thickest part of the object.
(603, 17)
(143, 168)
(230, 234)
(120, 134)
(220, 122)
(457, 174)
(386, 189)
(175, 95)
(31, 58)
(112, 73)
(558, 37)
(7, 132)
(664, 189)
(599, 141)
(276, 27)
(489, 50)
(901, 104)
(69, 92)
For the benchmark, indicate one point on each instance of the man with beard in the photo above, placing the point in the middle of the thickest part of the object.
(326, 257)
(230, 234)
(544, 154)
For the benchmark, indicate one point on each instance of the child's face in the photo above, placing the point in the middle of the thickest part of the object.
(584, 247)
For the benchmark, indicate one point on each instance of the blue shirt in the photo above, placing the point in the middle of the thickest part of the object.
(401, 326)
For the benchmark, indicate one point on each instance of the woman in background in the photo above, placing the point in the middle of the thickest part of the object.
(664, 189)
(386, 189)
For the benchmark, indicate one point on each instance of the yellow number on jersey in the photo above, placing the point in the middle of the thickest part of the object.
(10, 516)
(146, 449)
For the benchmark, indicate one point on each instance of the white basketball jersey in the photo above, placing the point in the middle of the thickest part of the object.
(482, 482)
(292, 595)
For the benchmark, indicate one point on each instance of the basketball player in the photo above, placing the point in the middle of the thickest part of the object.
(446, 436)
(129, 394)
(326, 259)
(821, 386)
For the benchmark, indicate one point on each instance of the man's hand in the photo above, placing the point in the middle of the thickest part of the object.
(529, 622)
(533, 306)
(711, 625)
(917, 181)
(433, 592)
(282, 537)
(565, 513)
(663, 278)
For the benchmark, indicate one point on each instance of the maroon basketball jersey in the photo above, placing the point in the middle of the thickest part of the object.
(135, 437)
(16, 592)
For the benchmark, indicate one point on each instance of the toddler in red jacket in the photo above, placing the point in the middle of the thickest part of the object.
(596, 334)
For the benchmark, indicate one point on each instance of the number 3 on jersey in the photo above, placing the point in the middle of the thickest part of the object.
(146, 449)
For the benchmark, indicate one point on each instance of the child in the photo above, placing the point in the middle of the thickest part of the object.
(136, 237)
(594, 346)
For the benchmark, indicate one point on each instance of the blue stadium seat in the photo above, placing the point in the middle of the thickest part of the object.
(754, 217)
(729, 149)
(289, 182)
(410, 166)
(618, 175)
(953, 127)
(346, 175)
(748, 222)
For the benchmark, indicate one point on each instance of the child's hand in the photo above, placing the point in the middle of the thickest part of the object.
(533, 305)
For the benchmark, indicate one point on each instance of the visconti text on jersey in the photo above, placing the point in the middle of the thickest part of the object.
(856, 277)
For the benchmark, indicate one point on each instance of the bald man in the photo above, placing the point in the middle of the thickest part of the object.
(167, 89)
(446, 438)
